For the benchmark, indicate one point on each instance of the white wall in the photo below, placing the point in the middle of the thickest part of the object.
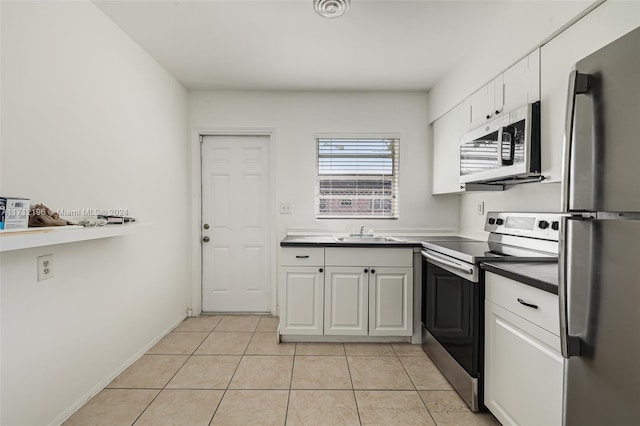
(298, 116)
(89, 120)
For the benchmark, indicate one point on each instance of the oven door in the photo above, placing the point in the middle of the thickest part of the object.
(451, 308)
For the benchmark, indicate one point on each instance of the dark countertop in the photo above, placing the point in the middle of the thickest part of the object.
(329, 241)
(542, 275)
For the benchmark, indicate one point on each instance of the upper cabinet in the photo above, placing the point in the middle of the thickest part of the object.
(517, 86)
(521, 83)
(486, 103)
(606, 23)
(447, 131)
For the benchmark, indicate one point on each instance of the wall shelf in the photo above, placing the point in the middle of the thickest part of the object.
(47, 236)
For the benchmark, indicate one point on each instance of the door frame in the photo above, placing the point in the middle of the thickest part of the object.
(195, 301)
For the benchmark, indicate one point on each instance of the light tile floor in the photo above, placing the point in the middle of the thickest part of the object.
(230, 370)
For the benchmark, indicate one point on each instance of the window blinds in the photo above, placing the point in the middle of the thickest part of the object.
(357, 177)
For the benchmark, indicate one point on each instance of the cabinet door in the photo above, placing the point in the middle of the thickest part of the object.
(606, 23)
(523, 370)
(391, 302)
(482, 105)
(521, 83)
(447, 131)
(302, 300)
(346, 296)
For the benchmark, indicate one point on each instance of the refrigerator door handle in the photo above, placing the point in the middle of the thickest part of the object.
(578, 84)
(569, 345)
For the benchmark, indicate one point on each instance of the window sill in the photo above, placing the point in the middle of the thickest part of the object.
(20, 239)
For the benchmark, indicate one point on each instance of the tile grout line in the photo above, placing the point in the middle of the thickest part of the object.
(161, 389)
(233, 375)
(293, 365)
(353, 388)
(428, 411)
(417, 391)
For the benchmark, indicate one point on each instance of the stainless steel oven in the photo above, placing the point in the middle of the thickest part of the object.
(453, 292)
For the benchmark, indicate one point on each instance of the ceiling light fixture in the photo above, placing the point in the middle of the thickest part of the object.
(331, 8)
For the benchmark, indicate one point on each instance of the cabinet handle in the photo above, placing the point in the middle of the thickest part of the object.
(497, 111)
(302, 257)
(366, 271)
(488, 116)
(373, 271)
(530, 305)
(320, 270)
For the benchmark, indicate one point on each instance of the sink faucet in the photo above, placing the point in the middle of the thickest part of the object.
(362, 231)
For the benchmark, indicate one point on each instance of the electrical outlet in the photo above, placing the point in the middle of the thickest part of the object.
(285, 208)
(45, 267)
(480, 208)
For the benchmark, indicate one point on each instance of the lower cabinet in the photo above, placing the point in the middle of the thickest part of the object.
(346, 295)
(368, 301)
(303, 285)
(390, 301)
(301, 290)
(523, 363)
(336, 298)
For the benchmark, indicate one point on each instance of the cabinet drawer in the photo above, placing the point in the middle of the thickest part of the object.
(303, 256)
(340, 256)
(506, 292)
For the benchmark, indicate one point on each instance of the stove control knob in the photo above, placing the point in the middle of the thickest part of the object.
(499, 221)
(543, 224)
(491, 221)
(555, 225)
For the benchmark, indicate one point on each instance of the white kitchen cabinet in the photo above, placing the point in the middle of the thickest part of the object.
(368, 291)
(390, 301)
(301, 289)
(521, 83)
(603, 25)
(485, 103)
(447, 131)
(517, 86)
(346, 293)
(523, 363)
(340, 291)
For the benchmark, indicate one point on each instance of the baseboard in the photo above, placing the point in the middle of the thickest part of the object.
(103, 383)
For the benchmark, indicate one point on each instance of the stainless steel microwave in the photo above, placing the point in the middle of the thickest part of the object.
(505, 150)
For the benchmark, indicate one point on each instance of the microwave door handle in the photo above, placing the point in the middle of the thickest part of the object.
(508, 159)
(578, 84)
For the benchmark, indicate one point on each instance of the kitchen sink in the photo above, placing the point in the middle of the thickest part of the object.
(368, 240)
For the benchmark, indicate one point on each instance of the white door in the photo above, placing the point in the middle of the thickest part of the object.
(235, 217)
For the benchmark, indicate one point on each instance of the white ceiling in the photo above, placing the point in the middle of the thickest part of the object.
(285, 45)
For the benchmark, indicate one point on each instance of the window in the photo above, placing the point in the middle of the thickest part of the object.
(357, 177)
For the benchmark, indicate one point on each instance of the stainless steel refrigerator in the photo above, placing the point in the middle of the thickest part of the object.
(600, 238)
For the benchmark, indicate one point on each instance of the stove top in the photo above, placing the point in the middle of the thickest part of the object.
(516, 237)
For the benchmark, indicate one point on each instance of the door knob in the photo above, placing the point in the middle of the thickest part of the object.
(205, 239)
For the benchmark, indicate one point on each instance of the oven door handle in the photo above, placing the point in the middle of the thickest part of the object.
(440, 260)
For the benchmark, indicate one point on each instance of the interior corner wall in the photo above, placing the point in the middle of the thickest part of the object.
(297, 117)
(89, 121)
